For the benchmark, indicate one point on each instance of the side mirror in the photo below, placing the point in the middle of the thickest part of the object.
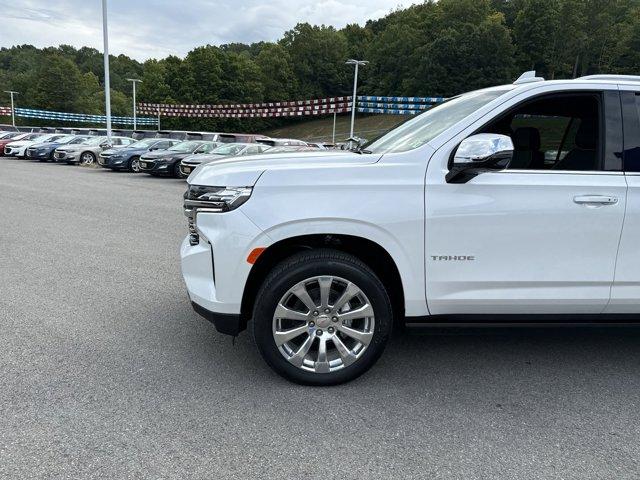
(483, 151)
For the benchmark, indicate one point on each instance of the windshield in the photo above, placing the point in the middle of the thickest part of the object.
(36, 137)
(185, 147)
(72, 140)
(66, 139)
(229, 149)
(425, 127)
(144, 143)
(95, 141)
(206, 147)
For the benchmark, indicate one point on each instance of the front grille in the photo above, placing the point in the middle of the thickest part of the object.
(146, 164)
(31, 152)
(59, 155)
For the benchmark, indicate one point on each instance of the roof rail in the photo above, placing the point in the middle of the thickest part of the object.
(619, 78)
(528, 77)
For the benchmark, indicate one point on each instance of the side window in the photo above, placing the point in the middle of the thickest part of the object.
(163, 145)
(558, 132)
(631, 113)
(252, 150)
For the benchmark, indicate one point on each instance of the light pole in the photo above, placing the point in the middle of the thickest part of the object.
(357, 63)
(134, 81)
(13, 112)
(107, 87)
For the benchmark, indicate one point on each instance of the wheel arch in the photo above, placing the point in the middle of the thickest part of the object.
(370, 252)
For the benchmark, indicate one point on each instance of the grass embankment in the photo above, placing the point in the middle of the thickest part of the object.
(320, 129)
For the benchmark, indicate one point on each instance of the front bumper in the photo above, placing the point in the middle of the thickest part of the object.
(111, 162)
(65, 156)
(215, 270)
(229, 324)
(154, 166)
(34, 153)
(12, 152)
(186, 169)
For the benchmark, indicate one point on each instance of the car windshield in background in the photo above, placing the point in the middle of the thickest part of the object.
(185, 147)
(95, 141)
(229, 149)
(206, 147)
(144, 143)
(425, 127)
(74, 140)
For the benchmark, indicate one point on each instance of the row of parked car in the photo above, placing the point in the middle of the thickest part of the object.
(155, 156)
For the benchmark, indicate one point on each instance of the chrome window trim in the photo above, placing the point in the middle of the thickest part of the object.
(559, 172)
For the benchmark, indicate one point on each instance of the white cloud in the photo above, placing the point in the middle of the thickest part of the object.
(155, 29)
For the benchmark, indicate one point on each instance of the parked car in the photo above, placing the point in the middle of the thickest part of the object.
(453, 215)
(20, 136)
(167, 162)
(87, 152)
(7, 135)
(128, 158)
(291, 148)
(281, 142)
(18, 147)
(44, 151)
(190, 163)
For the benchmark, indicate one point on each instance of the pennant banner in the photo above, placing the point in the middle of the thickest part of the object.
(401, 99)
(318, 106)
(76, 117)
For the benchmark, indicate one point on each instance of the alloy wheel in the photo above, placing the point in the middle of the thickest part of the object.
(323, 324)
(86, 159)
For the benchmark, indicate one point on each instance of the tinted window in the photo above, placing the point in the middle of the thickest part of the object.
(631, 112)
(559, 132)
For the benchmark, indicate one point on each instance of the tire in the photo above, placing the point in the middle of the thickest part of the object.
(86, 158)
(298, 358)
(176, 170)
(134, 165)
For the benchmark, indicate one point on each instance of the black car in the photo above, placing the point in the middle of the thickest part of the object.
(167, 162)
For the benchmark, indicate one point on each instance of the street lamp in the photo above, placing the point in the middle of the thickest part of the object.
(134, 81)
(107, 87)
(357, 63)
(13, 112)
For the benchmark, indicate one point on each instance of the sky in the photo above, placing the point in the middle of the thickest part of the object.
(158, 28)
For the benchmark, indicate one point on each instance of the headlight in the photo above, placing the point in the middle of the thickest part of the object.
(215, 199)
(199, 198)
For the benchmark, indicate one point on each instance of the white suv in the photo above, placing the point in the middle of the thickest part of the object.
(517, 202)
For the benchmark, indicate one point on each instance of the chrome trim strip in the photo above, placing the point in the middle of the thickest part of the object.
(558, 172)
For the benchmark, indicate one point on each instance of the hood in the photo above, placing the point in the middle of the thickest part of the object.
(20, 143)
(124, 151)
(245, 171)
(194, 159)
(156, 154)
(45, 144)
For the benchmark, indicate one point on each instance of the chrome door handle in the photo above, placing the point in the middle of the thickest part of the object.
(595, 200)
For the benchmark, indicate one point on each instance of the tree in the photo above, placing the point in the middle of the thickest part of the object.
(277, 76)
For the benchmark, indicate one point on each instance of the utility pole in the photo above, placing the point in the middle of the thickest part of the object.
(134, 81)
(13, 111)
(107, 86)
(357, 63)
(333, 135)
(158, 118)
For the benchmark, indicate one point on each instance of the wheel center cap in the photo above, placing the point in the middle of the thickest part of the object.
(323, 321)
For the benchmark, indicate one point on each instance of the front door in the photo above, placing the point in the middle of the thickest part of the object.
(541, 236)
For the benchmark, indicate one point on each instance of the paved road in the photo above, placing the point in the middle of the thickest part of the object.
(105, 371)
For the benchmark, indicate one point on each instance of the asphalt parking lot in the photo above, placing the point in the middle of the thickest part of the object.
(106, 372)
